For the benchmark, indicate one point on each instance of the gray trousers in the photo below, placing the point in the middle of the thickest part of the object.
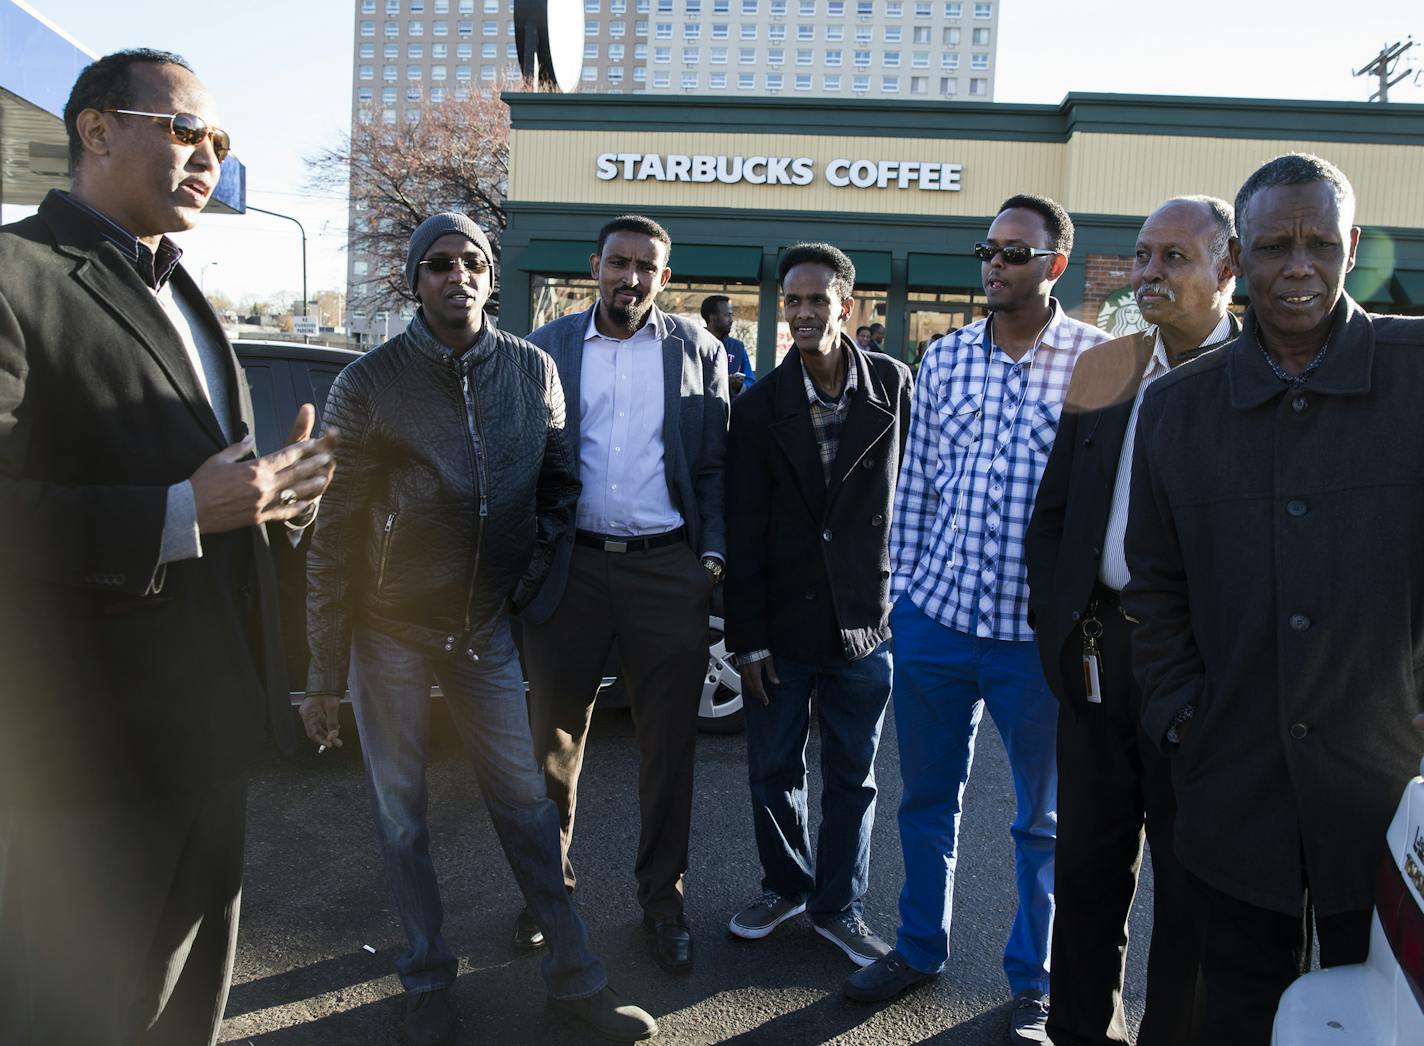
(118, 920)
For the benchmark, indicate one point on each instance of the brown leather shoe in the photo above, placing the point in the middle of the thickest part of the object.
(671, 942)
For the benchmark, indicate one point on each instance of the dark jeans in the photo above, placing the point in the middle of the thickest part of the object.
(654, 604)
(390, 690)
(118, 920)
(1111, 782)
(850, 709)
(1250, 955)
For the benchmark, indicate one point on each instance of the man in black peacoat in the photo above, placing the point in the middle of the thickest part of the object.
(138, 632)
(1273, 542)
(812, 459)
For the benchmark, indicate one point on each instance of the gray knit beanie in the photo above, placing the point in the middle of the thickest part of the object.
(436, 226)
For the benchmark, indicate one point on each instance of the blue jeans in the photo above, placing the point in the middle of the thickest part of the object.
(850, 707)
(390, 690)
(944, 680)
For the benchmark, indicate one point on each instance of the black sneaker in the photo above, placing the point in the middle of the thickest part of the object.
(763, 915)
(429, 1019)
(883, 979)
(1029, 1022)
(850, 934)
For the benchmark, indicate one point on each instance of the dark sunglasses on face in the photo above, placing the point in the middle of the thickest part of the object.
(187, 129)
(1015, 255)
(474, 264)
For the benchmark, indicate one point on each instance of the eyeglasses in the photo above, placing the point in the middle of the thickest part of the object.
(474, 264)
(1014, 255)
(188, 129)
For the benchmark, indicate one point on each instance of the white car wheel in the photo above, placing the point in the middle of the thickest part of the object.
(720, 711)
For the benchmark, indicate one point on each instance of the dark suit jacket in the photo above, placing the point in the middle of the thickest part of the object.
(1063, 545)
(1278, 575)
(108, 689)
(808, 570)
(694, 433)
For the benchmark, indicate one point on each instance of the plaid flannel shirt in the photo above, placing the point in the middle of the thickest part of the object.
(980, 433)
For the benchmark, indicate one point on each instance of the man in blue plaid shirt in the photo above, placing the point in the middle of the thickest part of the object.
(985, 412)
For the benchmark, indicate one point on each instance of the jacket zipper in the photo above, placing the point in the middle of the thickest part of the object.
(477, 455)
(385, 553)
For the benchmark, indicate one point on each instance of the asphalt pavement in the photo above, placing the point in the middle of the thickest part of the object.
(315, 900)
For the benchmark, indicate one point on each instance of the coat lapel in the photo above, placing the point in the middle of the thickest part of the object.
(674, 353)
(868, 419)
(568, 360)
(107, 275)
(792, 431)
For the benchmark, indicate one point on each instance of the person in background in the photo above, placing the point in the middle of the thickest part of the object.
(717, 315)
(862, 339)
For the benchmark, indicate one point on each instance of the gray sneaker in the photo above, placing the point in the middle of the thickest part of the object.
(849, 933)
(1030, 1018)
(763, 915)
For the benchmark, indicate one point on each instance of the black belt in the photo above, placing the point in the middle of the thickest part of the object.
(1105, 596)
(620, 543)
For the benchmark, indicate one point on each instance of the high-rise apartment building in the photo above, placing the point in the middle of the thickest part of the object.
(412, 51)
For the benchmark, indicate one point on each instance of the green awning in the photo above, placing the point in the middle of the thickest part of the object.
(945, 272)
(1367, 284)
(1409, 286)
(693, 261)
(872, 268)
(557, 257)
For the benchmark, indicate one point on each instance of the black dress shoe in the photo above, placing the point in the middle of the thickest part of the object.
(610, 1015)
(671, 942)
(527, 935)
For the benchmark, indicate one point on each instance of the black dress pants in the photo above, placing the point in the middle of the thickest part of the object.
(1112, 782)
(1250, 955)
(118, 920)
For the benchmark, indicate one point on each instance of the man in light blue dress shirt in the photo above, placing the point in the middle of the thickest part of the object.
(647, 416)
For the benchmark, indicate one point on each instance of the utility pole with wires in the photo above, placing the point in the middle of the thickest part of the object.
(1383, 65)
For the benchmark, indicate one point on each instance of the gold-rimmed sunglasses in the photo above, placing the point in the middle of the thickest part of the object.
(187, 129)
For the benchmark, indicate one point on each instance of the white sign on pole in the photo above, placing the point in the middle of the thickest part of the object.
(304, 324)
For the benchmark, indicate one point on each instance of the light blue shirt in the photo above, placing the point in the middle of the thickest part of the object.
(621, 454)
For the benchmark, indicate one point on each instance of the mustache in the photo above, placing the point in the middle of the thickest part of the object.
(1154, 288)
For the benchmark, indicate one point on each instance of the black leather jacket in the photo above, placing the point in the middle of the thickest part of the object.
(454, 478)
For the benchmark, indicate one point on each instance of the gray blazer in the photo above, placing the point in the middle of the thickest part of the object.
(694, 433)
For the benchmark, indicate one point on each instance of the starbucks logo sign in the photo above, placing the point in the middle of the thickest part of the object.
(1119, 314)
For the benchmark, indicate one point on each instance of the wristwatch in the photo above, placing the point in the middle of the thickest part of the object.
(715, 568)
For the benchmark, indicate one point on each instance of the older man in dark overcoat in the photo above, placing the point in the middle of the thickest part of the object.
(1277, 576)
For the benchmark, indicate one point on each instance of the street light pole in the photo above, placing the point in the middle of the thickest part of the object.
(203, 277)
(277, 214)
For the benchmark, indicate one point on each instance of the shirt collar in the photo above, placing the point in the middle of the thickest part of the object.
(153, 268)
(657, 320)
(1048, 340)
(1159, 363)
(813, 394)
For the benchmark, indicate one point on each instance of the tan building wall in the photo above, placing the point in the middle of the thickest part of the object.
(1117, 174)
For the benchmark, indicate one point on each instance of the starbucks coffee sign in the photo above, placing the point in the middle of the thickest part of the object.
(779, 170)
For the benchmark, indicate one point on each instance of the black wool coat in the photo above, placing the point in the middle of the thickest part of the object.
(808, 567)
(112, 689)
(1277, 569)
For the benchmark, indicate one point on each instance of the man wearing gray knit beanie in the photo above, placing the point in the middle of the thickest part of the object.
(460, 481)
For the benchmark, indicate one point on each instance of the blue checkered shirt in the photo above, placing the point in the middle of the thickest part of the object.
(980, 433)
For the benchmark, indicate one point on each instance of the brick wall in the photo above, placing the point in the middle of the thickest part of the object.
(1105, 274)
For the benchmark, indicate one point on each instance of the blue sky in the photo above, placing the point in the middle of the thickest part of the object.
(281, 73)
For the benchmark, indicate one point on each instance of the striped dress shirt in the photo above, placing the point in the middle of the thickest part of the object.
(980, 433)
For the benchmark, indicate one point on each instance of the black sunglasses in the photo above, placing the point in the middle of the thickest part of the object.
(471, 263)
(187, 129)
(1015, 255)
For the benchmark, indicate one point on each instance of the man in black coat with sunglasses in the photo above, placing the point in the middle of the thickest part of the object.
(138, 607)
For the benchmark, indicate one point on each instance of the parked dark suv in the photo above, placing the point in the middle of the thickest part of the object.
(282, 376)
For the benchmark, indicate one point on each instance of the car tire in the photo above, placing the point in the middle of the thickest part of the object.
(720, 708)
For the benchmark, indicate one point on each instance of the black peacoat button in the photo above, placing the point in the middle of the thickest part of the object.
(1076, 616)
(1097, 553)
(1297, 507)
(1299, 404)
(867, 463)
(877, 520)
(810, 593)
(1299, 622)
(825, 535)
(1299, 730)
